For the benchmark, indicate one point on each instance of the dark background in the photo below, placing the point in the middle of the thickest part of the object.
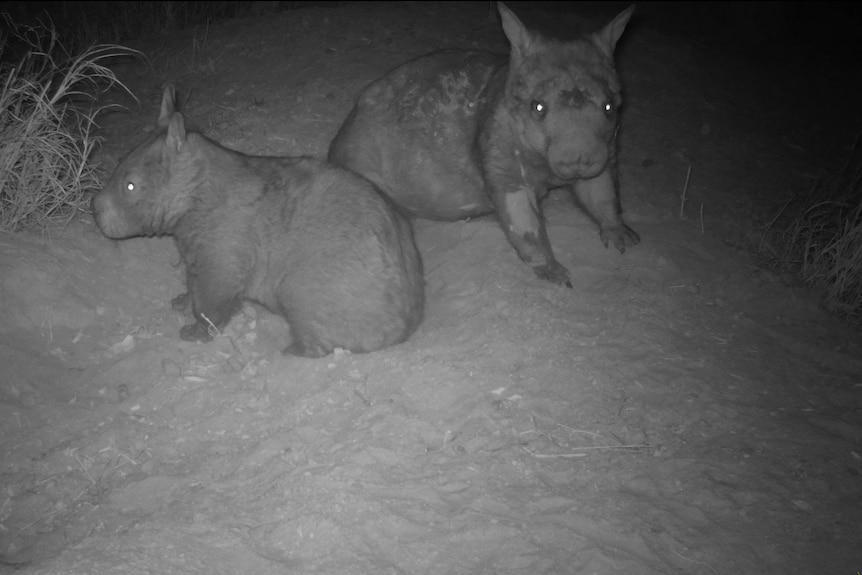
(808, 53)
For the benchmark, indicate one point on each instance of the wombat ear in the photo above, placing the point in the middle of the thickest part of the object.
(176, 133)
(519, 37)
(169, 105)
(609, 35)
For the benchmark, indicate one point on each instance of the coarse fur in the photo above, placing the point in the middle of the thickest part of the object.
(457, 134)
(309, 241)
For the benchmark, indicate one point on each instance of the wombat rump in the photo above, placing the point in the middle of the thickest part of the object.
(457, 134)
(308, 241)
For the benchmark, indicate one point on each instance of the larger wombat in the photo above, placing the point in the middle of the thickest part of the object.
(309, 241)
(457, 134)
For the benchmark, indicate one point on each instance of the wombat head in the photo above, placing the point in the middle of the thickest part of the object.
(149, 191)
(564, 96)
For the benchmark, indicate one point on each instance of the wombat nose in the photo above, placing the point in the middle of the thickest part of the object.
(581, 167)
(566, 171)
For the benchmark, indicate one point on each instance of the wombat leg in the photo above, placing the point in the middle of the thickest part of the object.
(211, 319)
(214, 302)
(599, 198)
(524, 226)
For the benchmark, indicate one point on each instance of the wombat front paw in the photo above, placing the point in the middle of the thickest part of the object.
(195, 332)
(620, 235)
(553, 272)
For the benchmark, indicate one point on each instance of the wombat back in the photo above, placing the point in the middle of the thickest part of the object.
(344, 271)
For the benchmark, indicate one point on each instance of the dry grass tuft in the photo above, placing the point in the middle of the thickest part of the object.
(820, 236)
(47, 113)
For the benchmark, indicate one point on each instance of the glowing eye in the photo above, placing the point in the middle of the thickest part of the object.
(609, 108)
(540, 110)
(130, 187)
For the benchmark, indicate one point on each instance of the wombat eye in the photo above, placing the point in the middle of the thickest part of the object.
(130, 186)
(610, 109)
(540, 110)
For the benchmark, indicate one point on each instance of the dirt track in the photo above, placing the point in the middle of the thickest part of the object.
(683, 409)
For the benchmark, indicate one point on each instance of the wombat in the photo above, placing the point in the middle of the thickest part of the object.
(456, 134)
(311, 242)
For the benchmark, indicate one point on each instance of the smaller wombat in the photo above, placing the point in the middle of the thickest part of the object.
(309, 241)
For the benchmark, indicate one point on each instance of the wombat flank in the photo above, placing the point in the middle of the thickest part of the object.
(307, 240)
(456, 134)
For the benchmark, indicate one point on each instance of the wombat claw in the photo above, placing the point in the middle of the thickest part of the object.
(554, 273)
(620, 235)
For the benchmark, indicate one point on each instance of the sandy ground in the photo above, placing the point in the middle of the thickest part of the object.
(683, 409)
